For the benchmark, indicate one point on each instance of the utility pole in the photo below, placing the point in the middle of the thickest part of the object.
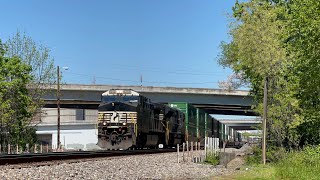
(141, 80)
(58, 107)
(264, 123)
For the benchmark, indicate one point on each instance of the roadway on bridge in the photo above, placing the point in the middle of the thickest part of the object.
(214, 101)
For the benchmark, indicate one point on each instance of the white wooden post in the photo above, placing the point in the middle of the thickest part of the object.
(199, 151)
(191, 151)
(17, 149)
(209, 146)
(205, 147)
(41, 148)
(188, 151)
(8, 148)
(27, 147)
(183, 146)
(216, 145)
(47, 148)
(196, 151)
(212, 145)
(178, 152)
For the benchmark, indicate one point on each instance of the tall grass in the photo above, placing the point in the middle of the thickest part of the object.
(300, 165)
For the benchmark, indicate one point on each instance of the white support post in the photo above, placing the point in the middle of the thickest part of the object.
(17, 149)
(8, 148)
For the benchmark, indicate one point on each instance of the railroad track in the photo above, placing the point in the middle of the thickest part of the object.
(10, 159)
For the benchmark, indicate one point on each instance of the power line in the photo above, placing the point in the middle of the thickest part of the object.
(152, 69)
(176, 72)
(136, 81)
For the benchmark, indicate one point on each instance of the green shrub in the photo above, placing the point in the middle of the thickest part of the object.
(255, 157)
(212, 158)
(273, 155)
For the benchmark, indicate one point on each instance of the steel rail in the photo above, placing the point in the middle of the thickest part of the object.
(7, 159)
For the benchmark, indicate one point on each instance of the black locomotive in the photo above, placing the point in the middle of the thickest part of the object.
(127, 119)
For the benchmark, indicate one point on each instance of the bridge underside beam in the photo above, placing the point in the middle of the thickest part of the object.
(73, 104)
(227, 109)
(241, 128)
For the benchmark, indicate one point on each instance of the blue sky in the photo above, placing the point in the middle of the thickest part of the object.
(168, 42)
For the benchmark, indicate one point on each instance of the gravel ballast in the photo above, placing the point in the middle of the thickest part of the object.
(152, 166)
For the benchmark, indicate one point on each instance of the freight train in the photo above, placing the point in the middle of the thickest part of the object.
(127, 119)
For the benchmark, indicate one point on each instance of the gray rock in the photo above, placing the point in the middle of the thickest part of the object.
(153, 166)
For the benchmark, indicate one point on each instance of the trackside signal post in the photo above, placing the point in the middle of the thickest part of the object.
(58, 107)
(58, 104)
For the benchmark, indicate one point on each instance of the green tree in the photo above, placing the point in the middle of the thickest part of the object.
(37, 56)
(15, 101)
(304, 44)
(257, 50)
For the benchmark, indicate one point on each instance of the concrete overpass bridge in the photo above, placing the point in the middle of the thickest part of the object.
(213, 101)
(81, 103)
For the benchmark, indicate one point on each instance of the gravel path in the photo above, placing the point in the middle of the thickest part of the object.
(154, 166)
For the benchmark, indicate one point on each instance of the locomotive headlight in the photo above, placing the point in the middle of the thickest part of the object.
(124, 123)
(104, 123)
